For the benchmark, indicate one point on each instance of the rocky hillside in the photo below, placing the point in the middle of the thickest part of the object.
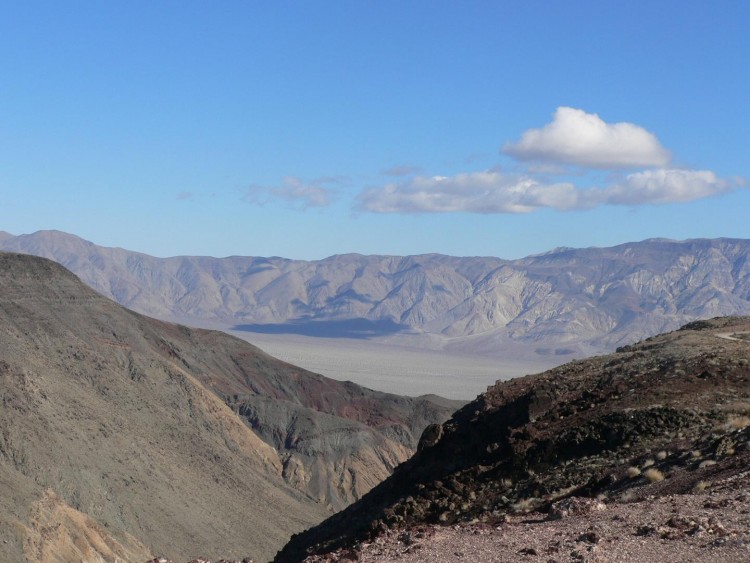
(565, 302)
(667, 416)
(122, 436)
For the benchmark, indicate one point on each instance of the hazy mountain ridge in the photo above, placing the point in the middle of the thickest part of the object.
(563, 301)
(122, 427)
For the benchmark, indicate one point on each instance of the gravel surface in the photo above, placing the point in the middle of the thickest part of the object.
(703, 527)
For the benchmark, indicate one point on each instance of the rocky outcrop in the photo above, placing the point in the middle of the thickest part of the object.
(664, 416)
(57, 532)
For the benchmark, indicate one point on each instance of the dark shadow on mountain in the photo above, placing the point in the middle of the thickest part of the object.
(348, 328)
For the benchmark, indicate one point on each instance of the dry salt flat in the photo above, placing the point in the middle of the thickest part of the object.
(402, 369)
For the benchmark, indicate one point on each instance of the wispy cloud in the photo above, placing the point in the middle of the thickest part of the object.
(185, 196)
(584, 139)
(295, 192)
(476, 192)
(401, 170)
(494, 192)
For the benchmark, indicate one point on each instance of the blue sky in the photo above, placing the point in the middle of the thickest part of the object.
(306, 129)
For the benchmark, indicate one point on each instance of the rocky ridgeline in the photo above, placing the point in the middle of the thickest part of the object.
(669, 415)
(561, 303)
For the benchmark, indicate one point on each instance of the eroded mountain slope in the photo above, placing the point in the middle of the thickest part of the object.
(130, 425)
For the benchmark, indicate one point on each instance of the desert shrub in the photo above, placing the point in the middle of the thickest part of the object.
(654, 475)
(526, 505)
(738, 422)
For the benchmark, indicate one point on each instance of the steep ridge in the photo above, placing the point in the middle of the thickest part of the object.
(336, 440)
(565, 302)
(117, 426)
(665, 416)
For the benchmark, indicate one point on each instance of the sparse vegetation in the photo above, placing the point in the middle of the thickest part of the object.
(562, 492)
(526, 505)
(653, 475)
(738, 422)
(633, 472)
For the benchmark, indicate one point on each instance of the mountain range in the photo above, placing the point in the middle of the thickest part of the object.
(122, 436)
(563, 303)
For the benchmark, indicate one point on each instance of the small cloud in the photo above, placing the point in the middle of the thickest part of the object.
(494, 192)
(584, 139)
(667, 186)
(293, 191)
(402, 170)
(185, 196)
(477, 192)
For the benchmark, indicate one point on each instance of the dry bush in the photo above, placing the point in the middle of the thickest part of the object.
(654, 475)
(662, 455)
(648, 463)
(738, 422)
(633, 472)
(707, 463)
(562, 492)
(700, 486)
(737, 407)
(526, 505)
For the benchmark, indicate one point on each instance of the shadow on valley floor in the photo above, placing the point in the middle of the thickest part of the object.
(349, 328)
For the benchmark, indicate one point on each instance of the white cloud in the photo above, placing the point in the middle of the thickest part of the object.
(494, 192)
(584, 139)
(294, 191)
(666, 186)
(477, 192)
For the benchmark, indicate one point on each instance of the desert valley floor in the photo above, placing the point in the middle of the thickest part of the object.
(393, 368)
